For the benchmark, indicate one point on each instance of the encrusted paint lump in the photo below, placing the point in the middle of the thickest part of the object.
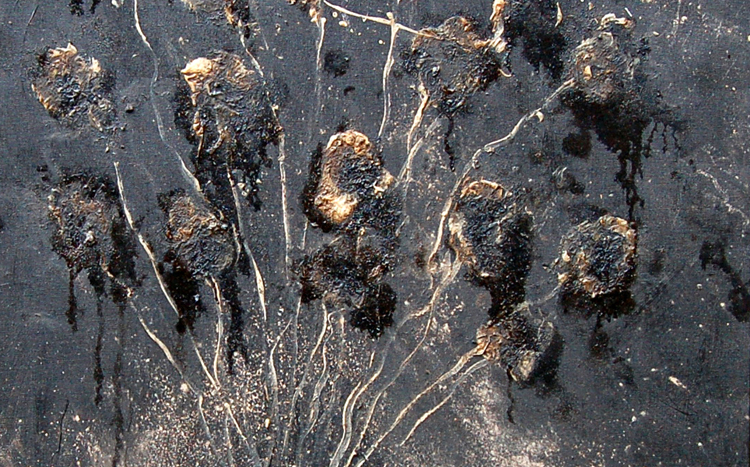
(598, 258)
(74, 90)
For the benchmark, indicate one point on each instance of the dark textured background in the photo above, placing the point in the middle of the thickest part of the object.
(671, 387)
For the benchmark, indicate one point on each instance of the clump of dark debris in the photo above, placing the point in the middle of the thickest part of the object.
(199, 239)
(598, 258)
(74, 90)
(91, 233)
(349, 272)
(224, 109)
(349, 192)
(453, 62)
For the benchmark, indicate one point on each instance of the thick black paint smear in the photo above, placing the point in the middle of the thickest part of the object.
(534, 23)
(491, 233)
(224, 110)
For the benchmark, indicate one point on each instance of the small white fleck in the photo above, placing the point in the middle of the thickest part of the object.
(677, 382)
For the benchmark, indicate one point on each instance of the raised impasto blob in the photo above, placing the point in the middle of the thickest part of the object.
(453, 61)
(91, 233)
(226, 114)
(491, 233)
(598, 258)
(350, 193)
(199, 240)
(74, 90)
(348, 185)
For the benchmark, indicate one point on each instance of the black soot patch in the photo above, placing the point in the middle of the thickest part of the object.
(336, 63)
(78, 7)
(536, 24)
(610, 95)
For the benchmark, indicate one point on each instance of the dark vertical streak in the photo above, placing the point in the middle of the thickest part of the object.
(235, 337)
(119, 419)
(72, 303)
(447, 145)
(98, 372)
(60, 434)
(511, 399)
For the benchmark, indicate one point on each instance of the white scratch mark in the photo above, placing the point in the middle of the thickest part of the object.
(472, 369)
(152, 97)
(725, 197)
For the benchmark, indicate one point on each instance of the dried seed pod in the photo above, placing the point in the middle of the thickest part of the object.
(348, 182)
(74, 90)
(526, 348)
(453, 62)
(200, 241)
(491, 233)
(598, 258)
